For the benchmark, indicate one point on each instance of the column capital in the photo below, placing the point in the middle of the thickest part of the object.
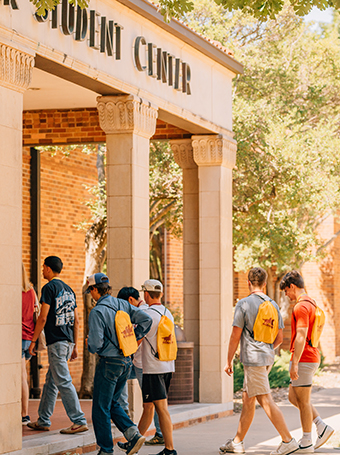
(183, 153)
(214, 150)
(127, 114)
(16, 67)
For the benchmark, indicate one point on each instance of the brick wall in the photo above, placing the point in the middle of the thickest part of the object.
(173, 261)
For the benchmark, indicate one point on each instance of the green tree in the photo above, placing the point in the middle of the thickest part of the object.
(260, 9)
(286, 120)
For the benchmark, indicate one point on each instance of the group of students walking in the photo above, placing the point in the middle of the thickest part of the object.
(257, 326)
(59, 319)
(257, 357)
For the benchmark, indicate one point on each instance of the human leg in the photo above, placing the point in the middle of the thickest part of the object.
(58, 354)
(123, 399)
(24, 389)
(275, 415)
(246, 418)
(165, 422)
(147, 416)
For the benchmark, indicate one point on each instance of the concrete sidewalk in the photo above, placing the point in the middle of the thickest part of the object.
(204, 438)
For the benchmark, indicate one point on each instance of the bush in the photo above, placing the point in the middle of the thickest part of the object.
(278, 376)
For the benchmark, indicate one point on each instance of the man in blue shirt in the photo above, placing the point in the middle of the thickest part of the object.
(113, 368)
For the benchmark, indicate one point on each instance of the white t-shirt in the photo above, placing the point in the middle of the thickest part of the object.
(137, 357)
(152, 365)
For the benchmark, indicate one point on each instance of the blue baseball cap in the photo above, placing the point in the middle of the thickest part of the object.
(96, 278)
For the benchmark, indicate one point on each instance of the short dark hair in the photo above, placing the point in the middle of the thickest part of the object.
(103, 288)
(54, 263)
(126, 292)
(154, 294)
(292, 277)
(257, 276)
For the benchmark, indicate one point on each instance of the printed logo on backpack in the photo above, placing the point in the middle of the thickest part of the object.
(266, 326)
(125, 333)
(166, 339)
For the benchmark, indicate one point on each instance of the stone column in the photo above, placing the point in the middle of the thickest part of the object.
(128, 122)
(16, 65)
(183, 154)
(215, 157)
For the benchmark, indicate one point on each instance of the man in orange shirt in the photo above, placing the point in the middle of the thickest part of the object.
(304, 362)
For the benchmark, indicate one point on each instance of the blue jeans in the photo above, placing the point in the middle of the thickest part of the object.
(58, 378)
(109, 380)
(137, 373)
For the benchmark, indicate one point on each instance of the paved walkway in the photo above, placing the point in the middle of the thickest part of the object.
(204, 438)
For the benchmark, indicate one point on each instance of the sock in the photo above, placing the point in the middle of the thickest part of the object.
(237, 443)
(320, 424)
(306, 439)
(287, 442)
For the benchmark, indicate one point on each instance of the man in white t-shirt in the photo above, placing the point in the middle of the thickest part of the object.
(156, 373)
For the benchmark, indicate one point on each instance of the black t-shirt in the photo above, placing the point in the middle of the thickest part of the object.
(60, 319)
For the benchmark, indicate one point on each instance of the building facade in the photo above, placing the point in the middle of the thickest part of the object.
(120, 62)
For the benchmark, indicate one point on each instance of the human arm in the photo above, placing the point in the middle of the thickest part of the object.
(74, 354)
(299, 346)
(279, 339)
(39, 326)
(141, 320)
(233, 344)
(95, 339)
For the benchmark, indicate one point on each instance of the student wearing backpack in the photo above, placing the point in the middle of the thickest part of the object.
(256, 319)
(113, 367)
(132, 296)
(156, 373)
(305, 360)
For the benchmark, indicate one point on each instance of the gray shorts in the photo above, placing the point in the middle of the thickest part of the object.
(256, 380)
(306, 371)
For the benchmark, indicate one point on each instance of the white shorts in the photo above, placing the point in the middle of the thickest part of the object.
(256, 380)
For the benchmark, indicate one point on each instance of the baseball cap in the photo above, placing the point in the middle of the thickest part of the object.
(96, 278)
(152, 285)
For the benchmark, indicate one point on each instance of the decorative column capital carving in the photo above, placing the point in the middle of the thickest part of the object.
(183, 153)
(16, 68)
(127, 114)
(214, 151)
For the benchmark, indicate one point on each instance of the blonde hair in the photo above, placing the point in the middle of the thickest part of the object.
(26, 285)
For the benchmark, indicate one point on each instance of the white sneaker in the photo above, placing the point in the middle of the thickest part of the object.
(285, 448)
(231, 447)
(324, 436)
(305, 446)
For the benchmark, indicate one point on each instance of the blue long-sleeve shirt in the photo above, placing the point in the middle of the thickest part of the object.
(102, 325)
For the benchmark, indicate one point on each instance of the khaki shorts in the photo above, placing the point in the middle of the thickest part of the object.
(306, 371)
(256, 380)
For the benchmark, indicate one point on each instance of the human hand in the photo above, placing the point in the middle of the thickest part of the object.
(228, 369)
(293, 373)
(74, 354)
(31, 349)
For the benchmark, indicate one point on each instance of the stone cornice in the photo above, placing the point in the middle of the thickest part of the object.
(127, 114)
(214, 151)
(183, 153)
(16, 68)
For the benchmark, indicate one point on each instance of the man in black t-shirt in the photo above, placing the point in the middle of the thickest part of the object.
(59, 319)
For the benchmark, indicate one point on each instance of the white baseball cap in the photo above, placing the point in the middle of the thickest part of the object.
(152, 285)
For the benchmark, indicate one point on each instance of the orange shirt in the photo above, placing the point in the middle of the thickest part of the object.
(303, 315)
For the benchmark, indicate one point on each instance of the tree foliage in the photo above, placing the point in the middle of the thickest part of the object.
(286, 120)
(260, 9)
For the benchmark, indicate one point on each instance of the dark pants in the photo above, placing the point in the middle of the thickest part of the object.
(110, 378)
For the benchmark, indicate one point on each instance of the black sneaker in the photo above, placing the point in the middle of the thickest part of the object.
(104, 453)
(25, 420)
(167, 452)
(135, 444)
(157, 440)
(122, 446)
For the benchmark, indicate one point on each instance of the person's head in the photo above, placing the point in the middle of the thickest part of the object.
(98, 285)
(153, 291)
(130, 294)
(52, 267)
(26, 285)
(292, 284)
(257, 278)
